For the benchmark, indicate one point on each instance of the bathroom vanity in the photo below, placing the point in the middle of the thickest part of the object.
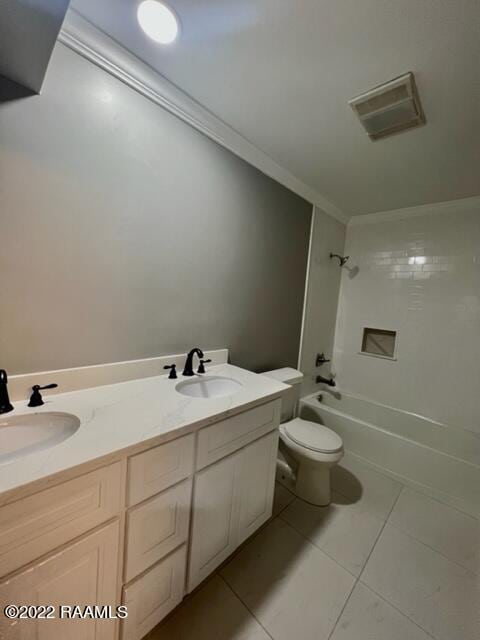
(151, 494)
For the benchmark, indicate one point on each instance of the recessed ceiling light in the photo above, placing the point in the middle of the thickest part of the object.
(158, 21)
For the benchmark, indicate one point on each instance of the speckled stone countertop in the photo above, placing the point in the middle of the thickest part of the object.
(122, 419)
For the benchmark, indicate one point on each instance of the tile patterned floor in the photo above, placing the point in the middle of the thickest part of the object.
(382, 562)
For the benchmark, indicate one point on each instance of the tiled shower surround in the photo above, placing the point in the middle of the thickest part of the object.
(420, 277)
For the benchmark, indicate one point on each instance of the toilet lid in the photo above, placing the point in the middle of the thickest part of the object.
(313, 436)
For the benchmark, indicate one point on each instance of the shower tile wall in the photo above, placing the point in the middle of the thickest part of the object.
(419, 276)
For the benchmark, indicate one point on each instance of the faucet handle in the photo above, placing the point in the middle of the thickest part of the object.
(173, 371)
(320, 359)
(201, 368)
(36, 399)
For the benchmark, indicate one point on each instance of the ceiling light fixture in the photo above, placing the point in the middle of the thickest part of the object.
(158, 21)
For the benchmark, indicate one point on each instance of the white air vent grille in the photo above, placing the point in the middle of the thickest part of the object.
(390, 107)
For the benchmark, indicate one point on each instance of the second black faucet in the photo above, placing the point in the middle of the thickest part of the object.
(188, 368)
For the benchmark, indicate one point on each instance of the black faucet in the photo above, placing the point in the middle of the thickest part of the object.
(329, 381)
(188, 369)
(5, 405)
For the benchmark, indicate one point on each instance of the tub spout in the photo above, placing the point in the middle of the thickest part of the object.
(329, 381)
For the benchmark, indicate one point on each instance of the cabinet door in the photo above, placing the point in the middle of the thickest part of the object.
(215, 517)
(257, 483)
(84, 573)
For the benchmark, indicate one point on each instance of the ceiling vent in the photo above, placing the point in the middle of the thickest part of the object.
(390, 107)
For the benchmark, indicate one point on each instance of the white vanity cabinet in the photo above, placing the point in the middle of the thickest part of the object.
(232, 498)
(141, 531)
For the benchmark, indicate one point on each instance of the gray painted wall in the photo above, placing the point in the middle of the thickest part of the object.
(127, 234)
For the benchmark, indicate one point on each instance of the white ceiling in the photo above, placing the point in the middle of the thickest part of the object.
(280, 72)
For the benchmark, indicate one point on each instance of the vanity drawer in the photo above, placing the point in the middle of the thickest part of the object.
(150, 598)
(225, 437)
(159, 468)
(83, 573)
(157, 527)
(33, 526)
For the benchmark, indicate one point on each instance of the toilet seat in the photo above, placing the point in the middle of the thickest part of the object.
(313, 436)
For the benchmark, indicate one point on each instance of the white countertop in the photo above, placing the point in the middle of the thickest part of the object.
(125, 418)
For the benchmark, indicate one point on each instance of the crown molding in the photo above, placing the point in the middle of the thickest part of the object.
(84, 38)
(461, 205)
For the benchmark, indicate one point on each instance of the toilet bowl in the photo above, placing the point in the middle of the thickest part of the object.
(315, 449)
(307, 450)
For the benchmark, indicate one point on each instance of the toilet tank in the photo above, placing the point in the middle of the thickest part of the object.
(290, 398)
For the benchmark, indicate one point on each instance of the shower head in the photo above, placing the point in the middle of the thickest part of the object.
(341, 259)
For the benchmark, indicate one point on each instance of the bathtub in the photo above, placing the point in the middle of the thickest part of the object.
(441, 460)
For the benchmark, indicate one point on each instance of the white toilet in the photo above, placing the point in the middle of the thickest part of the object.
(307, 450)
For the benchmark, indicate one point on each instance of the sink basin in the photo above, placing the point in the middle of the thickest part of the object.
(24, 434)
(208, 387)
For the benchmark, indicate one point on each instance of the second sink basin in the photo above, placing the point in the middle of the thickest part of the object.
(24, 434)
(208, 387)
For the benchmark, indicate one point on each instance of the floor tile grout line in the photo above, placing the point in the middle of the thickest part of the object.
(442, 503)
(412, 537)
(357, 579)
(245, 605)
(381, 519)
(343, 609)
(424, 544)
(380, 533)
(276, 515)
(344, 495)
(394, 606)
(445, 504)
(382, 597)
(294, 497)
(405, 487)
(302, 535)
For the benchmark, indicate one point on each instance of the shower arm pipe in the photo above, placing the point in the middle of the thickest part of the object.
(341, 259)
